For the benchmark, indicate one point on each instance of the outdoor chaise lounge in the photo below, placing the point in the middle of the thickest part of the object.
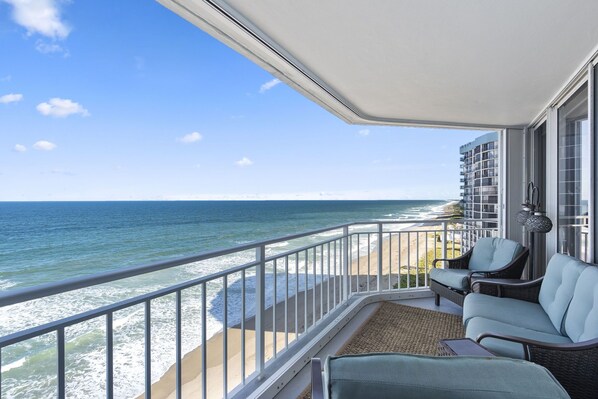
(489, 258)
(552, 321)
(395, 375)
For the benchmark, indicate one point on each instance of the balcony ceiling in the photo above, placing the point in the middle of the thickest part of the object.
(466, 63)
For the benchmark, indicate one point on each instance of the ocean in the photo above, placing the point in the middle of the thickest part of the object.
(42, 242)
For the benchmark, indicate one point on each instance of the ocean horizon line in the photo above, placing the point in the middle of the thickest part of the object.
(232, 200)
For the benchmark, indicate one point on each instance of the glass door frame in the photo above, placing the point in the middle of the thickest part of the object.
(537, 172)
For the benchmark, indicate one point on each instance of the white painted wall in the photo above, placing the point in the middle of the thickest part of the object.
(513, 181)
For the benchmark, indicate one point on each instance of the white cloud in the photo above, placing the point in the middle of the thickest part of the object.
(61, 108)
(244, 162)
(190, 138)
(44, 145)
(268, 85)
(6, 78)
(39, 16)
(20, 148)
(50, 48)
(364, 132)
(10, 98)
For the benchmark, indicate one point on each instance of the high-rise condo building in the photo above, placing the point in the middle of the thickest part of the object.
(479, 185)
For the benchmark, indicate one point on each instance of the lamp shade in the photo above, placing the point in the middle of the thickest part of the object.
(538, 223)
(522, 216)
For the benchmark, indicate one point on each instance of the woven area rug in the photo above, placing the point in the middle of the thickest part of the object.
(400, 328)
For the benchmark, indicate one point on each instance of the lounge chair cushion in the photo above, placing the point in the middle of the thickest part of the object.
(493, 253)
(507, 310)
(558, 286)
(391, 375)
(581, 321)
(454, 278)
(479, 325)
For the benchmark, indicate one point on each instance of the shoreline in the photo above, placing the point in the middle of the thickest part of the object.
(191, 365)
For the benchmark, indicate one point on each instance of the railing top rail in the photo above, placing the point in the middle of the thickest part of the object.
(421, 221)
(114, 307)
(11, 297)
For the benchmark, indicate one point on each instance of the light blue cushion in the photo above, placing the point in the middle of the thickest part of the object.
(512, 311)
(392, 375)
(480, 325)
(558, 286)
(493, 253)
(581, 320)
(455, 278)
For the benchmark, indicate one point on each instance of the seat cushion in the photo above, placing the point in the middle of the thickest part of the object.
(512, 311)
(480, 325)
(558, 286)
(581, 320)
(391, 375)
(454, 278)
(493, 253)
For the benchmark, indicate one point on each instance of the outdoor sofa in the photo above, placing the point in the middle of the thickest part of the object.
(395, 375)
(552, 321)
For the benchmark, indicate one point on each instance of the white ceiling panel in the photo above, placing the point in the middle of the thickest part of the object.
(430, 62)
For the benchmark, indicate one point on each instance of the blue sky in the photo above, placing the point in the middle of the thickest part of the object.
(119, 100)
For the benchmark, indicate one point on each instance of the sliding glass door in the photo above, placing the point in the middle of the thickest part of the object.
(574, 179)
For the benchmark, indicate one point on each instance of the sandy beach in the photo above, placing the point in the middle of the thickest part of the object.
(420, 243)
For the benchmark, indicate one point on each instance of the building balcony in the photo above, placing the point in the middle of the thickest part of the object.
(256, 324)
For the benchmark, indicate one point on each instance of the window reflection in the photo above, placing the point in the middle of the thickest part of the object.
(574, 175)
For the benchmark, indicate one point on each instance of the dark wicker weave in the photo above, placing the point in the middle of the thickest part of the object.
(575, 365)
(526, 291)
(513, 270)
(486, 289)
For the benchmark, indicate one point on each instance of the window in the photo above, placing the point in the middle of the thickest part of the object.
(574, 183)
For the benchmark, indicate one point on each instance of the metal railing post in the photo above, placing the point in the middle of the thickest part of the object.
(379, 256)
(345, 262)
(260, 294)
(444, 237)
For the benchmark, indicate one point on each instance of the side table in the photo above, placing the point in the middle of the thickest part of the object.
(461, 347)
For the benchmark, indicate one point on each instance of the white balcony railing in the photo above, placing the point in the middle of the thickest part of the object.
(270, 302)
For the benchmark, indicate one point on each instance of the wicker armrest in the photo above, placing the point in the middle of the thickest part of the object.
(317, 385)
(527, 291)
(520, 340)
(461, 262)
(574, 365)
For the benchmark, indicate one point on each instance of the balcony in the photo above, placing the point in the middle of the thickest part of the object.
(257, 323)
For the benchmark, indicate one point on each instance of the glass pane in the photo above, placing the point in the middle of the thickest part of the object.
(574, 175)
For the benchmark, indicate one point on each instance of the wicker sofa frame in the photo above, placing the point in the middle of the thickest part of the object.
(513, 270)
(574, 365)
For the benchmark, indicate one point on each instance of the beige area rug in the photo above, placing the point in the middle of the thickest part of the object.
(400, 328)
